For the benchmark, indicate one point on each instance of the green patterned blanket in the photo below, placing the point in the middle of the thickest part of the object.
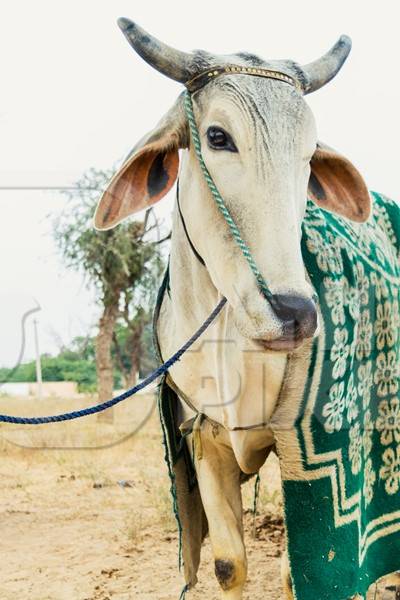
(340, 453)
(339, 449)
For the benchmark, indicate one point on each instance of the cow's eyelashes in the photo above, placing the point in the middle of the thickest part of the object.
(218, 139)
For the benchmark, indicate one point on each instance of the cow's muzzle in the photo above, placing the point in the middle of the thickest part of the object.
(299, 320)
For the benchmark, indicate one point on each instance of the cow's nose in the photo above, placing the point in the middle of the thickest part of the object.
(298, 315)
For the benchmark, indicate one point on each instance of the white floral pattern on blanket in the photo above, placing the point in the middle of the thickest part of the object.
(372, 342)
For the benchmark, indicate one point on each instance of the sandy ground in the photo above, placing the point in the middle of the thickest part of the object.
(81, 522)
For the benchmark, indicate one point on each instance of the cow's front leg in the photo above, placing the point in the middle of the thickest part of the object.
(286, 577)
(218, 475)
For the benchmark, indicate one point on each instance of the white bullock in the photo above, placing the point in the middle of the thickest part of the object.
(259, 142)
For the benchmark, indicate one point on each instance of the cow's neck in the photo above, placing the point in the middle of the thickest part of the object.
(193, 295)
(223, 376)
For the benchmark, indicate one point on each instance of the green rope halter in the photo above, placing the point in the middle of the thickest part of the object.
(220, 202)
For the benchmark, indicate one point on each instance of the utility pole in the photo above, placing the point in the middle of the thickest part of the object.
(38, 363)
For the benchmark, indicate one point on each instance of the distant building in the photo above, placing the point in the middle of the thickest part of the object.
(59, 389)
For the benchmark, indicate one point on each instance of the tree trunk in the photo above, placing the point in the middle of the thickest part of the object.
(135, 349)
(134, 371)
(120, 361)
(104, 364)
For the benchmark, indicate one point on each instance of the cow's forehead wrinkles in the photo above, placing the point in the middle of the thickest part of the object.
(263, 104)
(268, 119)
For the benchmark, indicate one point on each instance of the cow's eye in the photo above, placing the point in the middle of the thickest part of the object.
(218, 139)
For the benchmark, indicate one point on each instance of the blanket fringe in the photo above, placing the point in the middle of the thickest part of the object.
(173, 483)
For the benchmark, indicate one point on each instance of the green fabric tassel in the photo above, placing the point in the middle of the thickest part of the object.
(163, 390)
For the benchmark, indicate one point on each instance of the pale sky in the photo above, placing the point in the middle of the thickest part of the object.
(75, 95)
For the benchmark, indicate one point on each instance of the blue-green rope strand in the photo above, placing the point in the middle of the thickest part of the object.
(219, 200)
(257, 483)
(183, 592)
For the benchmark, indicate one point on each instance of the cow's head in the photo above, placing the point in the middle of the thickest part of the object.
(259, 143)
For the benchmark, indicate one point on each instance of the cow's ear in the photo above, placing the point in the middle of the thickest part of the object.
(335, 184)
(148, 173)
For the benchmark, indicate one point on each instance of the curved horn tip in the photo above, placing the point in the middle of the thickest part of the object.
(173, 63)
(345, 40)
(125, 24)
(321, 71)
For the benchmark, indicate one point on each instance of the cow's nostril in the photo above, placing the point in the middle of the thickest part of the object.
(298, 314)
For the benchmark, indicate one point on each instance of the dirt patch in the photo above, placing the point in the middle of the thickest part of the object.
(96, 524)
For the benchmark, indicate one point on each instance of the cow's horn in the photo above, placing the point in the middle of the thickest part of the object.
(170, 62)
(325, 68)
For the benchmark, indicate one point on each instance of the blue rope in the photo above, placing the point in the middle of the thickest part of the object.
(91, 410)
(171, 361)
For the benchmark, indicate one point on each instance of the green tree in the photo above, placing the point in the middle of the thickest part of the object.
(67, 366)
(120, 264)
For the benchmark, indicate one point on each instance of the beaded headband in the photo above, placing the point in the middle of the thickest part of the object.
(205, 77)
